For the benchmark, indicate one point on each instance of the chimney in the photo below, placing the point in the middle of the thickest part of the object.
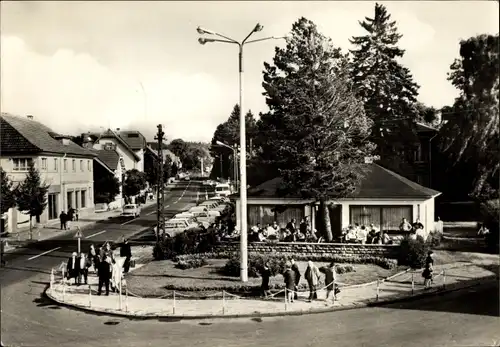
(30, 117)
(117, 129)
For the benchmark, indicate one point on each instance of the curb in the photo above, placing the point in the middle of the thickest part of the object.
(367, 303)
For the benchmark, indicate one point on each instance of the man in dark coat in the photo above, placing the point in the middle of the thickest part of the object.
(330, 278)
(73, 268)
(289, 277)
(104, 274)
(126, 251)
(296, 271)
(63, 218)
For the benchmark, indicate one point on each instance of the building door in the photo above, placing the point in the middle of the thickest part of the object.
(70, 199)
(52, 206)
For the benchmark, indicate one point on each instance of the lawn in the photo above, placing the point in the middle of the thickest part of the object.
(158, 278)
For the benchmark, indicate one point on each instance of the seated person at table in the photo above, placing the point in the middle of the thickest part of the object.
(372, 233)
(417, 225)
(351, 234)
(385, 239)
(311, 236)
(260, 237)
(298, 236)
(362, 233)
(272, 229)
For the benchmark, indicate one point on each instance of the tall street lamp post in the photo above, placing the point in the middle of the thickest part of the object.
(243, 154)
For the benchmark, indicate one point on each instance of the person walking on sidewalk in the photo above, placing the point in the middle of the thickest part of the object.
(265, 274)
(126, 251)
(73, 268)
(104, 274)
(63, 218)
(296, 270)
(312, 277)
(84, 268)
(427, 274)
(330, 280)
(289, 277)
(93, 257)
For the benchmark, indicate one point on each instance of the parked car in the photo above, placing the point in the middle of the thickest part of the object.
(216, 206)
(198, 209)
(174, 227)
(131, 210)
(222, 189)
(192, 222)
(206, 216)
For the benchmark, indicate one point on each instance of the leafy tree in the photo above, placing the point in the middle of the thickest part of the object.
(229, 133)
(316, 128)
(31, 194)
(106, 188)
(386, 88)
(179, 147)
(174, 169)
(135, 181)
(471, 136)
(167, 168)
(7, 192)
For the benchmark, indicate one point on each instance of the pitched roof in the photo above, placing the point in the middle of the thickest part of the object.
(111, 134)
(378, 183)
(421, 127)
(166, 152)
(23, 135)
(109, 158)
(134, 139)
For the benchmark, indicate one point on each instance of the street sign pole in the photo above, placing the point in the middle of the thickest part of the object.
(79, 235)
(79, 243)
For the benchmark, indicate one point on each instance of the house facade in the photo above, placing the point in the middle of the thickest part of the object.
(65, 166)
(383, 198)
(109, 162)
(137, 142)
(111, 140)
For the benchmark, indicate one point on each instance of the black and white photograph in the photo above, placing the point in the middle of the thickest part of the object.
(249, 173)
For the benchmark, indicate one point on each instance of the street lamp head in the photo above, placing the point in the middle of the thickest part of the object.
(203, 31)
(202, 40)
(258, 28)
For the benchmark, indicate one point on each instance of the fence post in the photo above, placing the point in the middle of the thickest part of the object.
(412, 283)
(223, 302)
(90, 296)
(173, 308)
(334, 291)
(378, 288)
(51, 279)
(63, 283)
(444, 279)
(120, 295)
(126, 298)
(286, 299)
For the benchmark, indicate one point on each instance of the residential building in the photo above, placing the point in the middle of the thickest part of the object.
(109, 162)
(65, 166)
(137, 142)
(111, 140)
(153, 148)
(382, 198)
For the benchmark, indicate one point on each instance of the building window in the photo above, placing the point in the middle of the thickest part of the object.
(387, 218)
(84, 198)
(81, 165)
(74, 165)
(21, 164)
(55, 164)
(65, 164)
(89, 165)
(417, 153)
(44, 163)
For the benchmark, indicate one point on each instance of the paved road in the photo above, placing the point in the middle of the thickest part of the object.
(28, 269)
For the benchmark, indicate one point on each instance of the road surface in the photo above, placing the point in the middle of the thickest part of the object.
(28, 269)
(463, 318)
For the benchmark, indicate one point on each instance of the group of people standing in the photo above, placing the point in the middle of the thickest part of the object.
(312, 275)
(104, 264)
(64, 217)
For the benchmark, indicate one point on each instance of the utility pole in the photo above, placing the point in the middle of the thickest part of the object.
(201, 159)
(160, 198)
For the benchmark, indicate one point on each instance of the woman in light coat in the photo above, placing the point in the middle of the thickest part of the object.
(312, 276)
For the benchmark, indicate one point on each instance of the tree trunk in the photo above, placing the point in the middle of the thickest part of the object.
(325, 221)
(31, 227)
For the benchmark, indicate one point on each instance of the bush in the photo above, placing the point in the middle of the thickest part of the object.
(414, 252)
(343, 269)
(490, 211)
(255, 265)
(191, 241)
(434, 239)
(191, 263)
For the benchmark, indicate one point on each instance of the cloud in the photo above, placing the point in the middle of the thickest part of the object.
(69, 91)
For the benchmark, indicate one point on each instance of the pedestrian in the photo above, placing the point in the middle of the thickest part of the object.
(312, 276)
(71, 213)
(104, 274)
(265, 274)
(289, 277)
(296, 271)
(126, 251)
(63, 218)
(427, 274)
(93, 257)
(84, 268)
(330, 280)
(73, 267)
(76, 214)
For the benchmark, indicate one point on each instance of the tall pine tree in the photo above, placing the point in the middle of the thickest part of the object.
(316, 132)
(7, 193)
(386, 87)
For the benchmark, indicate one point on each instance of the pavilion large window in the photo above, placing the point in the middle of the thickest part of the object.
(267, 214)
(386, 218)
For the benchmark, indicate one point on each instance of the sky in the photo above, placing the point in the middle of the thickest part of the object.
(84, 65)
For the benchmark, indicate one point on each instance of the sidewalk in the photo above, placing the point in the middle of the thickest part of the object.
(399, 287)
(51, 230)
